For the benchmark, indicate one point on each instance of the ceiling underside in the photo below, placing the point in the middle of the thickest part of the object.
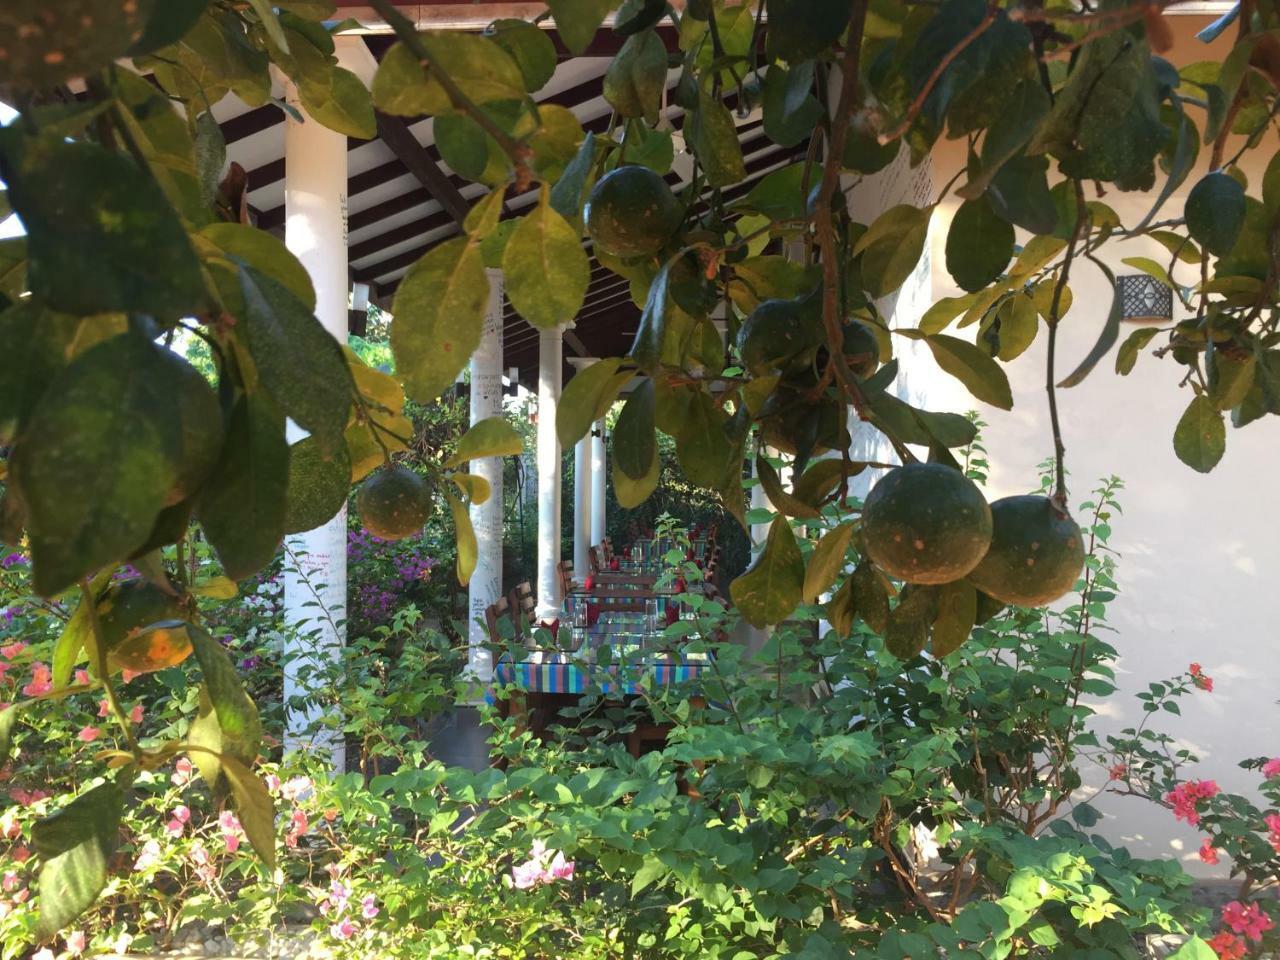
(402, 199)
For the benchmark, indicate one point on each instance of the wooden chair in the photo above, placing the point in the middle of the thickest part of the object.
(494, 613)
(593, 558)
(564, 571)
(523, 605)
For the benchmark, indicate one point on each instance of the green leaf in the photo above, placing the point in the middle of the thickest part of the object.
(215, 588)
(555, 142)
(439, 312)
(1230, 378)
(779, 195)
(870, 596)
(892, 246)
(77, 634)
(702, 445)
(297, 359)
(1127, 355)
(167, 24)
(267, 16)
(907, 629)
(939, 316)
(652, 869)
(1200, 438)
(243, 505)
(981, 375)
(634, 439)
(529, 46)
(91, 502)
(545, 268)
(713, 137)
(840, 610)
(483, 217)
(827, 562)
(1271, 185)
(490, 437)
(1022, 112)
(582, 398)
(474, 487)
(8, 720)
(466, 538)
(789, 107)
(1106, 340)
(65, 40)
(230, 245)
(463, 145)
(318, 486)
(637, 77)
(1215, 212)
(1019, 324)
(783, 502)
(92, 214)
(630, 492)
(800, 29)
(578, 20)
(771, 589)
(255, 809)
(1019, 193)
(210, 155)
(236, 714)
(570, 191)
(646, 348)
(979, 245)
(478, 65)
(342, 104)
(1194, 949)
(957, 612)
(75, 846)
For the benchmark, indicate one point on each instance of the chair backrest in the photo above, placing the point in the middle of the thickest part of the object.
(593, 557)
(606, 548)
(493, 613)
(564, 570)
(523, 603)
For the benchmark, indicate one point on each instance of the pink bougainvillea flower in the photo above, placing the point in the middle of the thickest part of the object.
(89, 734)
(10, 828)
(1272, 821)
(128, 676)
(77, 941)
(149, 856)
(1195, 669)
(1185, 797)
(11, 881)
(20, 854)
(28, 797)
(343, 930)
(543, 866)
(369, 907)
(1118, 771)
(560, 869)
(231, 830)
(298, 825)
(83, 678)
(135, 715)
(273, 782)
(1271, 768)
(182, 814)
(1228, 946)
(174, 828)
(181, 772)
(297, 788)
(41, 681)
(526, 875)
(11, 650)
(104, 708)
(1248, 920)
(1208, 853)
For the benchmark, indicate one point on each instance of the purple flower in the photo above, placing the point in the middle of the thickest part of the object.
(13, 560)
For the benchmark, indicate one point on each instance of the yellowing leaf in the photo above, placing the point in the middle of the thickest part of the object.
(771, 589)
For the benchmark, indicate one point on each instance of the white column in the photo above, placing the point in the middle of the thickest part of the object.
(550, 362)
(315, 198)
(486, 518)
(583, 492)
(599, 530)
(759, 501)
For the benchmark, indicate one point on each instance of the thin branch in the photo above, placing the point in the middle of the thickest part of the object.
(404, 29)
(100, 665)
(918, 103)
(1059, 451)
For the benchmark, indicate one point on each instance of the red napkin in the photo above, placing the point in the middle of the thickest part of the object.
(589, 583)
(613, 564)
(681, 586)
(673, 613)
(593, 614)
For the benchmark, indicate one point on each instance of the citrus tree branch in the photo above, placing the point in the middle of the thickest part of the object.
(1055, 312)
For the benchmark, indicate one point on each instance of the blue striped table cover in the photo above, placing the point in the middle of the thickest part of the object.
(561, 673)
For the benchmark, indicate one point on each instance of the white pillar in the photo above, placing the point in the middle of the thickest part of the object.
(550, 362)
(599, 530)
(315, 198)
(486, 518)
(583, 493)
(759, 501)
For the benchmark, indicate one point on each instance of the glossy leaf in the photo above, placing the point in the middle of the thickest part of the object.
(892, 246)
(466, 538)
(981, 375)
(75, 846)
(1127, 355)
(957, 612)
(1200, 438)
(243, 506)
(439, 313)
(490, 437)
(318, 486)
(634, 440)
(713, 138)
(870, 597)
(702, 445)
(631, 492)
(979, 245)
(545, 269)
(585, 393)
(255, 809)
(637, 77)
(827, 561)
(229, 245)
(1106, 339)
(785, 503)
(1215, 212)
(529, 46)
(578, 20)
(790, 109)
(771, 589)
(478, 65)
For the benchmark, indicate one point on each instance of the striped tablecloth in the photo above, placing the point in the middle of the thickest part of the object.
(564, 673)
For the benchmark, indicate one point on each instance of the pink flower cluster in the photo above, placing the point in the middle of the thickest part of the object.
(1200, 678)
(1185, 797)
(41, 681)
(1273, 827)
(1246, 922)
(1271, 768)
(1208, 853)
(543, 866)
(336, 903)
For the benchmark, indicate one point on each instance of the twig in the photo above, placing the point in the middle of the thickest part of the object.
(100, 664)
(1059, 451)
(918, 103)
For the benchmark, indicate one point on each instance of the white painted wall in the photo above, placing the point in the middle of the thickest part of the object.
(1200, 554)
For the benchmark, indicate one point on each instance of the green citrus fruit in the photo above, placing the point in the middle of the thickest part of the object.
(776, 336)
(393, 503)
(1036, 552)
(631, 212)
(926, 523)
(200, 419)
(128, 612)
(861, 349)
